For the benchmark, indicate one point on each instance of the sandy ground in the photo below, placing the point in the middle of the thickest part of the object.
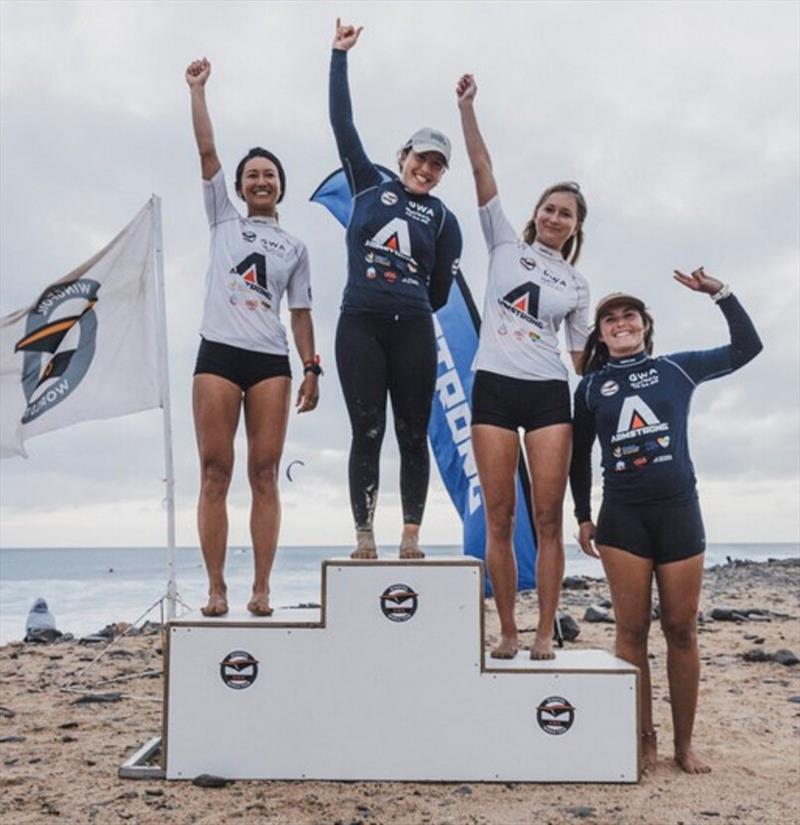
(59, 760)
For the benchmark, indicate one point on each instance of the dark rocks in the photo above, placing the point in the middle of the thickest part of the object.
(575, 583)
(756, 655)
(67, 738)
(7, 713)
(595, 613)
(735, 614)
(7, 739)
(43, 635)
(570, 629)
(98, 698)
(68, 726)
(785, 657)
(580, 811)
(463, 790)
(795, 699)
(207, 780)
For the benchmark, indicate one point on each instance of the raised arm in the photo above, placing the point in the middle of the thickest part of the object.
(196, 76)
(745, 344)
(361, 174)
(485, 184)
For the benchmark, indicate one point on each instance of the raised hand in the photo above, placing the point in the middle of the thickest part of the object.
(699, 281)
(198, 72)
(346, 36)
(466, 89)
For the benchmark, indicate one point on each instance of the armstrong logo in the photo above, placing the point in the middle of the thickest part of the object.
(523, 302)
(253, 270)
(58, 351)
(555, 715)
(399, 602)
(238, 669)
(635, 419)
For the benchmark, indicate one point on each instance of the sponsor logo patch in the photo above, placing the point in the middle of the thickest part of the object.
(399, 602)
(388, 199)
(609, 388)
(555, 715)
(239, 669)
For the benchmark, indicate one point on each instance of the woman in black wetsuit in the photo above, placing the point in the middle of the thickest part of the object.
(403, 247)
(650, 523)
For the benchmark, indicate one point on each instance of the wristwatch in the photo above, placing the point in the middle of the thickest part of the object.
(723, 292)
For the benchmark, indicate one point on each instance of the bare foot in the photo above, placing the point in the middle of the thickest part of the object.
(259, 604)
(507, 649)
(649, 750)
(409, 548)
(690, 762)
(217, 604)
(542, 649)
(365, 545)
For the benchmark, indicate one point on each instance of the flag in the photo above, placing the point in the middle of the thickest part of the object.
(88, 346)
(457, 325)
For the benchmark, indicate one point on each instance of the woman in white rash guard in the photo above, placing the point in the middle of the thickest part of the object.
(520, 380)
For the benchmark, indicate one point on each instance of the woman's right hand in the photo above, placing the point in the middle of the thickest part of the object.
(346, 36)
(466, 89)
(586, 531)
(198, 72)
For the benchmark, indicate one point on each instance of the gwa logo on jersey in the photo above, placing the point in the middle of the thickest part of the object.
(635, 419)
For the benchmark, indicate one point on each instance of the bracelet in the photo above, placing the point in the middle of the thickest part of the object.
(312, 366)
(723, 292)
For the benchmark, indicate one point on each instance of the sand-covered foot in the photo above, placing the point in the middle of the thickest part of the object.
(409, 548)
(365, 545)
(690, 762)
(507, 649)
(217, 604)
(542, 649)
(649, 751)
(259, 605)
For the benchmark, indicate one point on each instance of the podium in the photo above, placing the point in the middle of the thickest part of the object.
(388, 680)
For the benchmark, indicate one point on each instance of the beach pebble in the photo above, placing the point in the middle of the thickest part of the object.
(6, 739)
(463, 790)
(595, 613)
(68, 726)
(207, 780)
(98, 698)
(570, 629)
(574, 583)
(580, 811)
(795, 699)
(756, 655)
(785, 657)
(7, 713)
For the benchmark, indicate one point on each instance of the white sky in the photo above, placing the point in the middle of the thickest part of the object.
(680, 120)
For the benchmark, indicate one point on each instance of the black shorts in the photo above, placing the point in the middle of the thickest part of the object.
(513, 402)
(242, 366)
(664, 531)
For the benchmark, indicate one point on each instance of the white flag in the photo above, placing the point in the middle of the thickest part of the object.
(88, 347)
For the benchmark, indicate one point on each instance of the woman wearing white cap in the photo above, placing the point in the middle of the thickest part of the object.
(650, 525)
(403, 246)
(520, 380)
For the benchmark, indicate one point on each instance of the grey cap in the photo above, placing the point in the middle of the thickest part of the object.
(429, 140)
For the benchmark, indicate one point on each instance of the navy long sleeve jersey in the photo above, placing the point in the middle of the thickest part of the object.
(402, 248)
(638, 407)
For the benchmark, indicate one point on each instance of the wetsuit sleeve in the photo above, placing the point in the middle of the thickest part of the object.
(704, 365)
(584, 430)
(495, 225)
(215, 197)
(298, 290)
(361, 174)
(576, 323)
(448, 252)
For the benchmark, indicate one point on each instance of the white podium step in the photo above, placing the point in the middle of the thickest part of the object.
(388, 681)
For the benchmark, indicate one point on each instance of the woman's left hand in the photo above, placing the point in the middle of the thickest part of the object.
(699, 281)
(308, 394)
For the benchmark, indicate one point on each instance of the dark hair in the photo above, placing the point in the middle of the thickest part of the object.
(595, 352)
(572, 248)
(258, 152)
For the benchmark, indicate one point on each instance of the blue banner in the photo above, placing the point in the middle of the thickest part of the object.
(457, 325)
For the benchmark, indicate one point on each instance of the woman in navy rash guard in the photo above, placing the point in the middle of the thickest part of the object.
(650, 523)
(403, 246)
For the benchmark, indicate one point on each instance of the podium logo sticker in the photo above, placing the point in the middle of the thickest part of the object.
(555, 715)
(238, 669)
(399, 602)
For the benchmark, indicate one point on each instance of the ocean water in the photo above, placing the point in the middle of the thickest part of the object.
(87, 589)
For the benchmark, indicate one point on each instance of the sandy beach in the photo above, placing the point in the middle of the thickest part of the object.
(59, 759)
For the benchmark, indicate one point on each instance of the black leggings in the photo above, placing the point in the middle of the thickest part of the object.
(376, 354)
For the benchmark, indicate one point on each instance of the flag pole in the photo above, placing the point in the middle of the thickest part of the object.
(158, 254)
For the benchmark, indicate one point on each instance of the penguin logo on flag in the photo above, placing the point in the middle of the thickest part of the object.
(58, 345)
